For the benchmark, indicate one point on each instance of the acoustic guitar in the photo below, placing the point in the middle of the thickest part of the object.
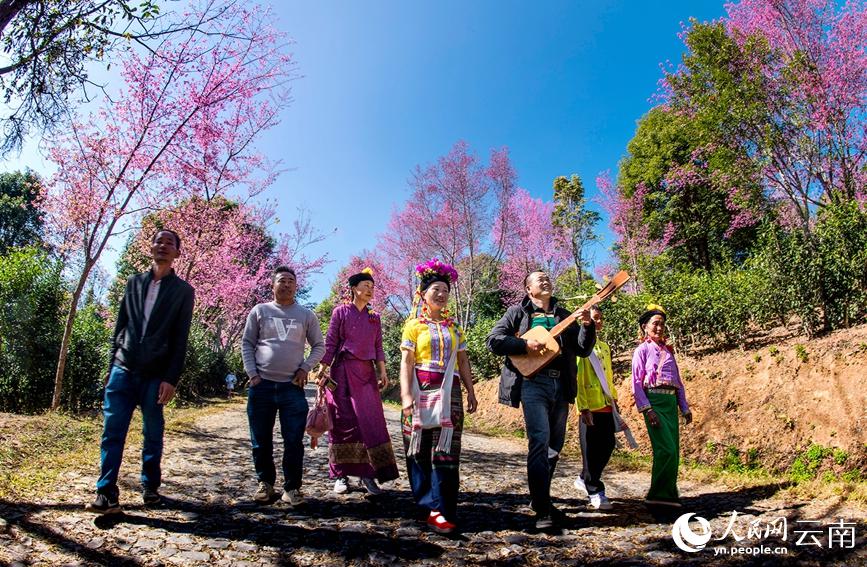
(534, 361)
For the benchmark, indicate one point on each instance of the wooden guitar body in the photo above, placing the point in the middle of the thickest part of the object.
(530, 363)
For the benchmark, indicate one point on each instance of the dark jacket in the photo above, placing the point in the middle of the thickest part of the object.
(159, 353)
(503, 340)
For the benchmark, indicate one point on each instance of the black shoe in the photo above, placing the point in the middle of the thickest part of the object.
(557, 515)
(674, 502)
(544, 522)
(150, 497)
(103, 504)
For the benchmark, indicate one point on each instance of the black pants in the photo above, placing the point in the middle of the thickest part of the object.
(597, 444)
(545, 413)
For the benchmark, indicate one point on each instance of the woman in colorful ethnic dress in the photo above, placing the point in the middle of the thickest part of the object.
(659, 393)
(434, 362)
(359, 443)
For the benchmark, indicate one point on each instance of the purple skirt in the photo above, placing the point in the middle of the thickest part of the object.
(359, 443)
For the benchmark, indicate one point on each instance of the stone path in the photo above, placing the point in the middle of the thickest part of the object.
(208, 517)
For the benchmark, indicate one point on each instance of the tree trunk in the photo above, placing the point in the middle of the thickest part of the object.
(67, 337)
(579, 275)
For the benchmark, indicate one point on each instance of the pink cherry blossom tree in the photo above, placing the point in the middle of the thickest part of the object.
(453, 204)
(530, 243)
(182, 126)
(787, 81)
(227, 255)
(626, 219)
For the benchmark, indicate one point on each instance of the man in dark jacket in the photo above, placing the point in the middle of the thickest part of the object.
(148, 347)
(545, 396)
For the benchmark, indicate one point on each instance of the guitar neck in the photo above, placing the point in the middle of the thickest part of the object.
(562, 325)
(604, 293)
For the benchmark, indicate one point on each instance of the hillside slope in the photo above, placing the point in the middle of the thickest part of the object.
(765, 404)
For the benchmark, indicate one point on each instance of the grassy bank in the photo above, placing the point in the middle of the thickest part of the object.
(35, 451)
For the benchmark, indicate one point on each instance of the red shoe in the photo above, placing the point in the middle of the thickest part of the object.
(439, 524)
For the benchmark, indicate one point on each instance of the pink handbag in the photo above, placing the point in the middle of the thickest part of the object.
(318, 421)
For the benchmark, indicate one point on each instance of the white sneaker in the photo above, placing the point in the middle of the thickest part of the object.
(579, 485)
(341, 485)
(292, 497)
(264, 492)
(600, 502)
(372, 488)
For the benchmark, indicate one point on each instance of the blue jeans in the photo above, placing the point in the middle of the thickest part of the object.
(545, 413)
(265, 401)
(124, 391)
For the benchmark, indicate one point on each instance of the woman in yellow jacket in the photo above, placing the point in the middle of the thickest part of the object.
(596, 401)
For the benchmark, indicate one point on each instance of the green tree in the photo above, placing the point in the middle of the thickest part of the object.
(574, 221)
(32, 299)
(20, 217)
(689, 176)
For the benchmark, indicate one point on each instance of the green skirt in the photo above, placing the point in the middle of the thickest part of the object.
(665, 441)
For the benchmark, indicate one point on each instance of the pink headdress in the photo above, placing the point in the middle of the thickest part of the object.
(429, 272)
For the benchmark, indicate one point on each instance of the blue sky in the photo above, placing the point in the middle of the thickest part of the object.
(389, 85)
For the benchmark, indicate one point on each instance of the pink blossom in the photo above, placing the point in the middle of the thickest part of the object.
(814, 77)
(448, 215)
(182, 126)
(529, 244)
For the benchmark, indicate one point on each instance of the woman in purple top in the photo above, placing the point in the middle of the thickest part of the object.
(659, 393)
(359, 443)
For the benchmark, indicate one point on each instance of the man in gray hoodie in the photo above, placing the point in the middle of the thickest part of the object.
(273, 350)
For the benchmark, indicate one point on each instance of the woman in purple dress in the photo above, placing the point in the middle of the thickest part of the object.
(359, 443)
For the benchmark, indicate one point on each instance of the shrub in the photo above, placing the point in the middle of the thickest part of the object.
(485, 364)
(705, 309)
(823, 278)
(31, 303)
(801, 353)
(731, 459)
(854, 475)
(87, 362)
(205, 368)
(807, 464)
(715, 309)
(841, 231)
